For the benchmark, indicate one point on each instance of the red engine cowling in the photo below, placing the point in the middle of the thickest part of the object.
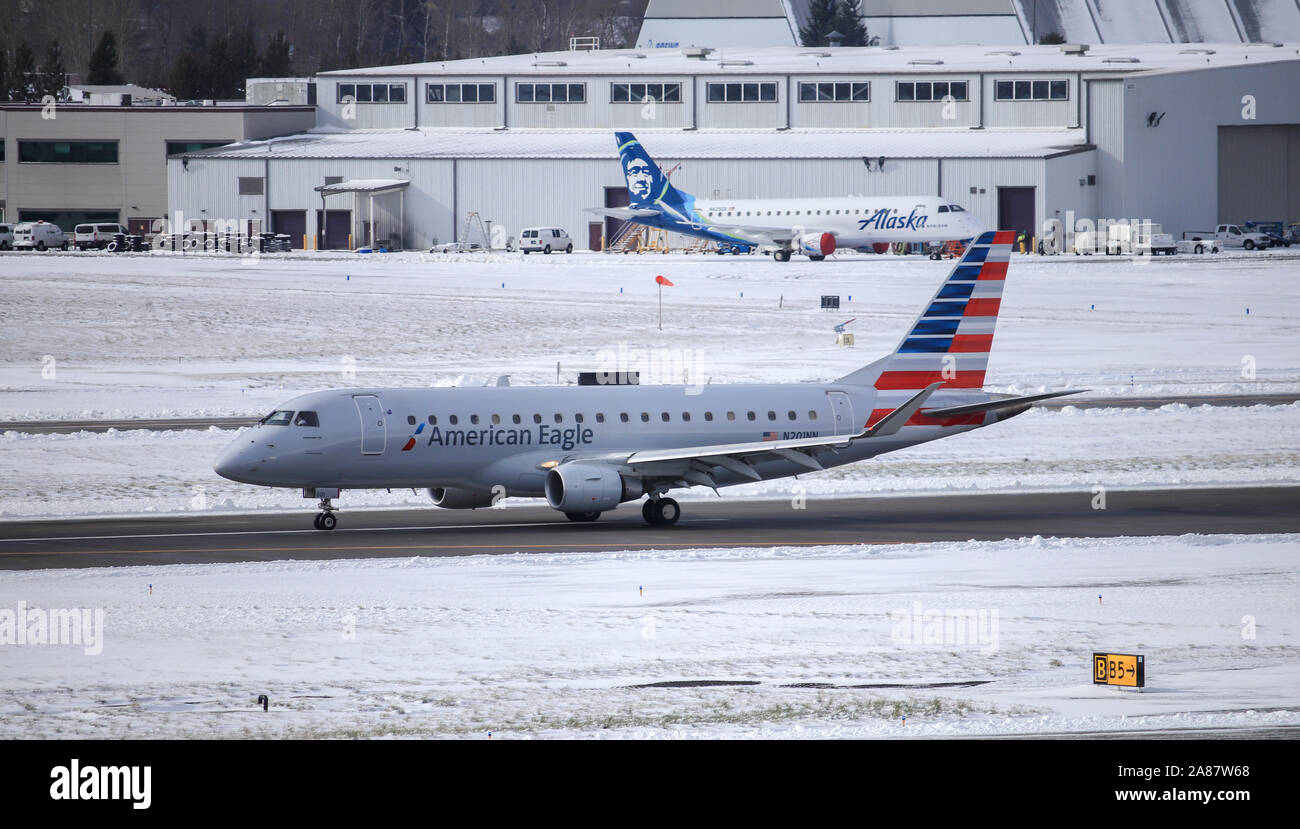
(816, 244)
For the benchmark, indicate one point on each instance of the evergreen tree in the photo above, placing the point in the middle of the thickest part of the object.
(103, 63)
(1051, 38)
(244, 63)
(4, 76)
(821, 22)
(23, 86)
(849, 24)
(278, 60)
(53, 76)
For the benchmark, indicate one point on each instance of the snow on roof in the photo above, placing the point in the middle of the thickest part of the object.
(676, 144)
(841, 60)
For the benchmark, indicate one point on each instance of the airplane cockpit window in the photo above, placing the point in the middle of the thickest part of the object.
(943, 208)
(957, 208)
(277, 418)
(306, 419)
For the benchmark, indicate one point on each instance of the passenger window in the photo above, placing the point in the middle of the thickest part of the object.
(473, 419)
(516, 418)
(577, 418)
(751, 416)
(792, 415)
(708, 415)
(278, 418)
(496, 419)
(600, 417)
(453, 420)
(310, 419)
(410, 420)
(559, 418)
(623, 416)
(812, 415)
(731, 415)
(433, 420)
(537, 418)
(645, 417)
(664, 416)
(771, 415)
(686, 417)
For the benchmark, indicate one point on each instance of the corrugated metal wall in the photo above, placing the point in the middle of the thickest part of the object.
(1105, 101)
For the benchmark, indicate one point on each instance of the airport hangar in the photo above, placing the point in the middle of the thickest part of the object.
(1184, 135)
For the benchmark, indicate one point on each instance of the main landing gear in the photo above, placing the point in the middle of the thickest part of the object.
(781, 255)
(661, 512)
(325, 520)
(582, 516)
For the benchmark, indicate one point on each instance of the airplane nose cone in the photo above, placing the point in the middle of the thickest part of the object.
(235, 462)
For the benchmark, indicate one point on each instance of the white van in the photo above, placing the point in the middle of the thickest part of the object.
(6, 237)
(95, 235)
(39, 236)
(545, 239)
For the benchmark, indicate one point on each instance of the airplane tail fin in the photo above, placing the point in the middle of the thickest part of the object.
(949, 342)
(647, 186)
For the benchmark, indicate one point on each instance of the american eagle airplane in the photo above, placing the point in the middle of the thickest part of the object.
(587, 449)
(814, 227)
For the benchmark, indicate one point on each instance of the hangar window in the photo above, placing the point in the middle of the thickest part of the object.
(836, 92)
(310, 419)
(548, 93)
(67, 152)
(460, 93)
(371, 93)
(734, 93)
(250, 185)
(639, 93)
(1031, 90)
(931, 90)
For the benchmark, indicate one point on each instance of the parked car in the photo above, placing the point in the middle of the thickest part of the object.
(1199, 246)
(545, 239)
(6, 237)
(39, 236)
(96, 236)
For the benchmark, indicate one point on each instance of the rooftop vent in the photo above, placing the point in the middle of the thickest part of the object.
(697, 52)
(1196, 51)
(1120, 60)
(926, 62)
(735, 63)
(549, 63)
(1079, 49)
(1008, 52)
(892, 48)
(814, 54)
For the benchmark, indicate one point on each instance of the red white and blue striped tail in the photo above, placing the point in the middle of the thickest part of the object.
(950, 342)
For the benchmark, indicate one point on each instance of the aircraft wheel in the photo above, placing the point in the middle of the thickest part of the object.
(816, 258)
(326, 521)
(582, 516)
(664, 512)
(647, 511)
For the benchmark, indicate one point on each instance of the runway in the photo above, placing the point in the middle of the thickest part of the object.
(883, 520)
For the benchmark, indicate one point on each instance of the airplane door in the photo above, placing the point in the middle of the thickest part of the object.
(374, 432)
(842, 411)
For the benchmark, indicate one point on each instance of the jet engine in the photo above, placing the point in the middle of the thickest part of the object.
(588, 487)
(816, 244)
(451, 497)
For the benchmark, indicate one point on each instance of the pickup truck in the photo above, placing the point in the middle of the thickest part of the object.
(1232, 236)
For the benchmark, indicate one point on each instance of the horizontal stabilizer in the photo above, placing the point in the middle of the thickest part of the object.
(892, 422)
(994, 405)
(623, 212)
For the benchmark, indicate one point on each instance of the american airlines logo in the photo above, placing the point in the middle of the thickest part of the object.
(889, 219)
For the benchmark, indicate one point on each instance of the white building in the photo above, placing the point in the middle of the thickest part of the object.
(1182, 136)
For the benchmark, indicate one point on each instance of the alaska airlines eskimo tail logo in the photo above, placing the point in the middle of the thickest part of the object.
(889, 219)
(640, 179)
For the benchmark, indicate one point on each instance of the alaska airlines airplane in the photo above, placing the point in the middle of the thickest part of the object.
(814, 227)
(587, 449)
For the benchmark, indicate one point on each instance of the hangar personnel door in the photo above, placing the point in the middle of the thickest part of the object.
(615, 197)
(1016, 210)
(1259, 173)
(373, 430)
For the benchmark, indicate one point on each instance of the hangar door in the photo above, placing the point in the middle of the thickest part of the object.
(1259, 173)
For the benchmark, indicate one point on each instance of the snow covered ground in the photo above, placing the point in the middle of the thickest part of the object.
(790, 642)
(105, 336)
(139, 472)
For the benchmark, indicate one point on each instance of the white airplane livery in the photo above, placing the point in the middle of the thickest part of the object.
(588, 449)
(814, 227)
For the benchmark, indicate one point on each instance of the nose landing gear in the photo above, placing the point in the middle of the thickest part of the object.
(325, 520)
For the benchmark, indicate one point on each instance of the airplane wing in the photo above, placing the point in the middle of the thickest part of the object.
(691, 465)
(622, 212)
